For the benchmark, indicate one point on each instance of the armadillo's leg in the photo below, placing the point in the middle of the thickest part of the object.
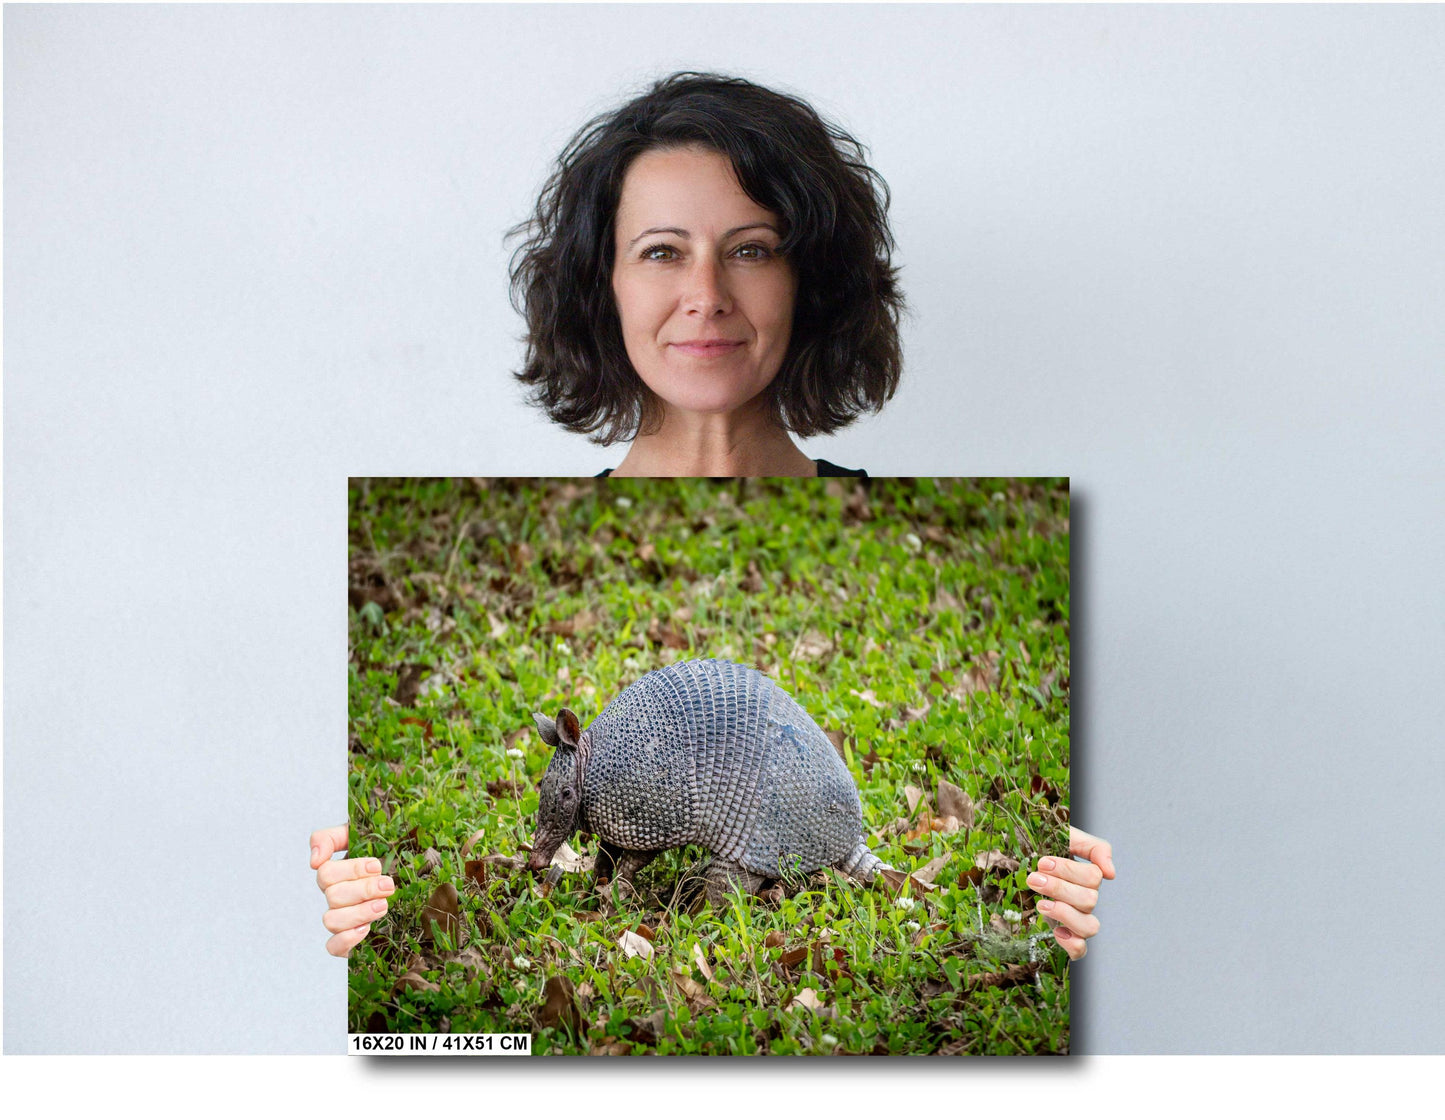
(621, 864)
(861, 864)
(721, 875)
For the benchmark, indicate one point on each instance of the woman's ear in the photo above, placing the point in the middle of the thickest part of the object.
(568, 729)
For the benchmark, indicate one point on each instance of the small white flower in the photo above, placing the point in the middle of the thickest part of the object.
(563, 648)
(919, 767)
(1011, 915)
(522, 963)
(828, 1040)
(514, 752)
(911, 541)
(912, 927)
(624, 503)
(904, 903)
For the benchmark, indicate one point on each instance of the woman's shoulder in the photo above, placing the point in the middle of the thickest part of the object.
(825, 470)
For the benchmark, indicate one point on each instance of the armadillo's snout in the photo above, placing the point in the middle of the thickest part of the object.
(538, 860)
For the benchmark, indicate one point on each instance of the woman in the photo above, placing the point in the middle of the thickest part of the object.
(707, 275)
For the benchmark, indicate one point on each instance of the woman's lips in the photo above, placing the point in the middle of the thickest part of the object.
(709, 349)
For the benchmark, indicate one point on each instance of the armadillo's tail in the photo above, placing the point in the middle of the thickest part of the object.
(861, 863)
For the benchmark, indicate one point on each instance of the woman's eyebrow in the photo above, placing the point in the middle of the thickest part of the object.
(682, 233)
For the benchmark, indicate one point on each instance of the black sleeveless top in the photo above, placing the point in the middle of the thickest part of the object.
(825, 470)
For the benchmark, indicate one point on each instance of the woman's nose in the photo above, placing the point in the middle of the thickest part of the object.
(706, 292)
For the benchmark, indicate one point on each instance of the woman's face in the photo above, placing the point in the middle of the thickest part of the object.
(705, 300)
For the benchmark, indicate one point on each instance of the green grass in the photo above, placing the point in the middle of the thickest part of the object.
(868, 601)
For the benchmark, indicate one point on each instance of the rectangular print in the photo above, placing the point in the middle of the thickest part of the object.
(702, 766)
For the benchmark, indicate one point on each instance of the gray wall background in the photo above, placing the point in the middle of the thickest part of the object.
(1193, 257)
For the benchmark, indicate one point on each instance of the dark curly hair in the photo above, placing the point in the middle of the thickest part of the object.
(844, 354)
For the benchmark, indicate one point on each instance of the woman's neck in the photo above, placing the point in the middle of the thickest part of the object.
(742, 444)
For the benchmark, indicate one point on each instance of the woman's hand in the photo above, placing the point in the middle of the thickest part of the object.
(356, 891)
(1072, 890)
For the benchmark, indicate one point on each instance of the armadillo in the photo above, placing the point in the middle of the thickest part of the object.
(702, 752)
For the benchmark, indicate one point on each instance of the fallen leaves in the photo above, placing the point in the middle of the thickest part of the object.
(996, 861)
(634, 944)
(895, 882)
(665, 636)
(699, 959)
(812, 646)
(690, 990)
(559, 1006)
(808, 999)
(953, 802)
(929, 871)
(442, 911)
(415, 982)
(568, 860)
(1011, 976)
(471, 842)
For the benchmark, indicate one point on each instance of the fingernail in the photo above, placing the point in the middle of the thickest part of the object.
(1046, 864)
(1061, 933)
(1046, 904)
(386, 883)
(379, 906)
(315, 854)
(373, 866)
(1038, 882)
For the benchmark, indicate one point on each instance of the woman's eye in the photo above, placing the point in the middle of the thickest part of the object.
(659, 253)
(753, 252)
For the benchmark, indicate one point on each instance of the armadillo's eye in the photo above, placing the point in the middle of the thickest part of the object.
(566, 793)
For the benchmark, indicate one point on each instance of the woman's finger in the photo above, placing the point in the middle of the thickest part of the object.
(1081, 925)
(1072, 943)
(1093, 849)
(342, 944)
(349, 892)
(326, 842)
(1074, 870)
(343, 918)
(1081, 898)
(334, 871)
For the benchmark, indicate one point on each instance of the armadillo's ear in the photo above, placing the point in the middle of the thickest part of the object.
(546, 728)
(568, 729)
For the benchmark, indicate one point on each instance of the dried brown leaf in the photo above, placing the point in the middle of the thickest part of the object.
(431, 859)
(415, 982)
(568, 860)
(475, 871)
(559, 1007)
(1011, 976)
(812, 645)
(444, 909)
(953, 802)
(929, 871)
(471, 842)
(774, 939)
(634, 946)
(699, 958)
(996, 861)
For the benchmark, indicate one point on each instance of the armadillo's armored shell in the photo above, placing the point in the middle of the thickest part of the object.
(714, 753)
